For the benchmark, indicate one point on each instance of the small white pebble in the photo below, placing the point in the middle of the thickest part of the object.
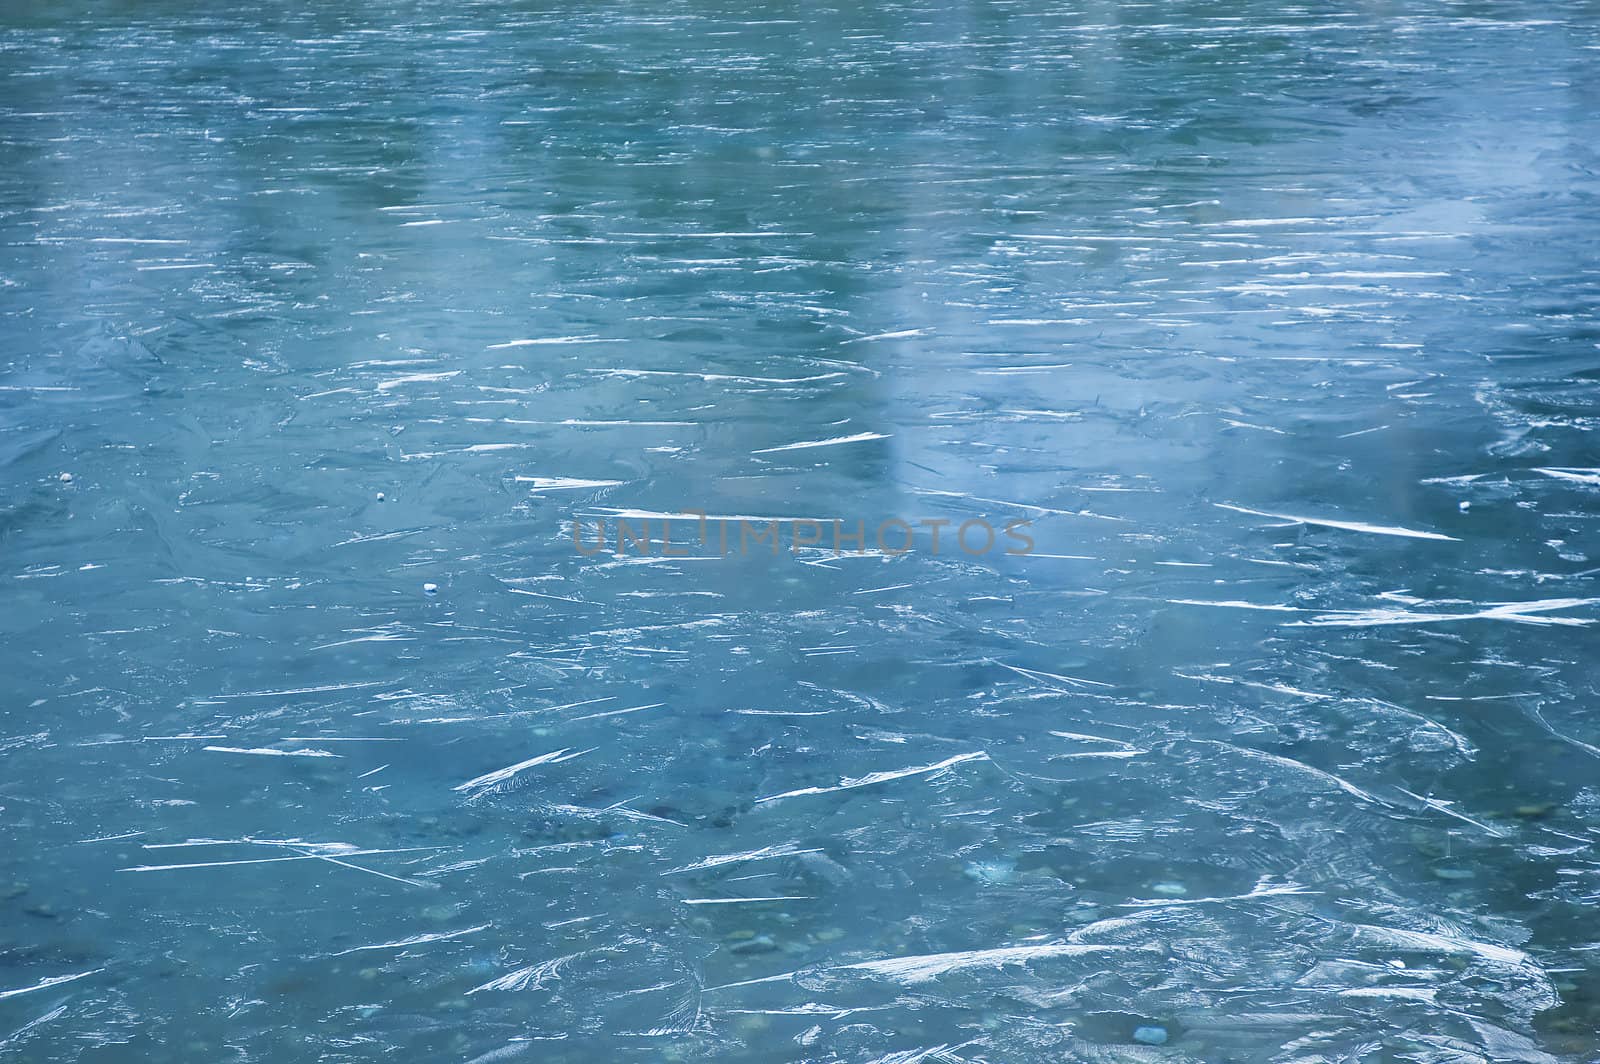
(430, 589)
(66, 478)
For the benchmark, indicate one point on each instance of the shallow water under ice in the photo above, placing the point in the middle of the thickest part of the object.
(323, 323)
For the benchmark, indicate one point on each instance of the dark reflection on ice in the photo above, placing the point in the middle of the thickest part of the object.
(323, 323)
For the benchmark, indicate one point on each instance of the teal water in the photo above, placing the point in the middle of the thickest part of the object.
(321, 326)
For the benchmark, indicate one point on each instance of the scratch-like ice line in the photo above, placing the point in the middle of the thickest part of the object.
(374, 872)
(1235, 604)
(1036, 675)
(300, 856)
(416, 940)
(1095, 739)
(880, 777)
(489, 779)
(1348, 526)
(514, 1048)
(1298, 766)
(45, 984)
(1262, 890)
(586, 813)
(565, 483)
(694, 517)
(732, 234)
(49, 1017)
(1275, 688)
(745, 901)
(810, 1008)
(579, 422)
(217, 864)
(944, 1054)
(1462, 744)
(533, 977)
(713, 378)
(417, 378)
(1410, 993)
(267, 751)
(1587, 748)
(1533, 613)
(615, 712)
(381, 637)
(1580, 476)
(924, 967)
(901, 334)
(542, 341)
(782, 849)
(860, 437)
(1444, 807)
(304, 690)
(1430, 942)
(376, 537)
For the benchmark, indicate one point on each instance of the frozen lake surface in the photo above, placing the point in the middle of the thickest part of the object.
(323, 323)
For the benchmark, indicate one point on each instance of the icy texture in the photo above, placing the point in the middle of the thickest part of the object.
(322, 322)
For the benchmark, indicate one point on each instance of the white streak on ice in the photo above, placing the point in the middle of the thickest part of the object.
(1298, 766)
(1514, 612)
(489, 779)
(301, 856)
(565, 483)
(782, 849)
(923, 967)
(533, 977)
(1235, 604)
(1348, 526)
(710, 378)
(45, 984)
(304, 690)
(744, 901)
(1580, 476)
(1424, 941)
(860, 437)
(417, 378)
(417, 940)
(1263, 889)
(269, 752)
(1444, 807)
(880, 777)
(546, 340)
(1036, 675)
